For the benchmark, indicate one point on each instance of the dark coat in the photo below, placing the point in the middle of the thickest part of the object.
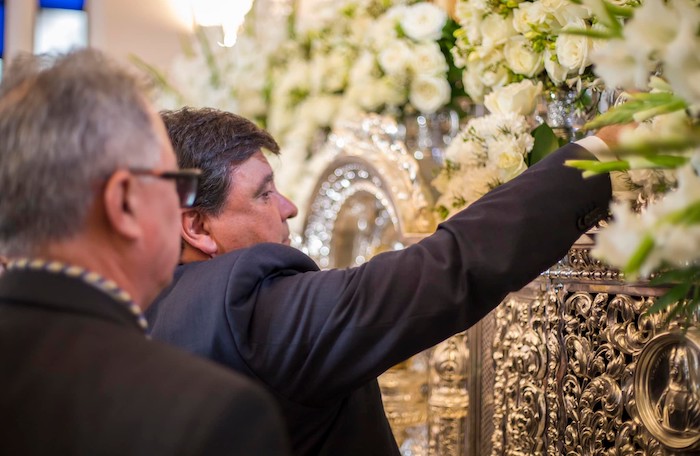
(78, 377)
(318, 339)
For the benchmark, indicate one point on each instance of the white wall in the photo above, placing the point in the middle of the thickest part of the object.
(150, 29)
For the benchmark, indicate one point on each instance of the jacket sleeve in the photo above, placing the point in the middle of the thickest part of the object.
(316, 335)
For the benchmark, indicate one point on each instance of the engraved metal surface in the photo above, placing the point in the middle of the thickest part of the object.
(667, 382)
(371, 195)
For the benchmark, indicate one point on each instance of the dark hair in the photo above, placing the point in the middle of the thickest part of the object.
(216, 142)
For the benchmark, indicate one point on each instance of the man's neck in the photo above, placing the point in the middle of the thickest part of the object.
(191, 255)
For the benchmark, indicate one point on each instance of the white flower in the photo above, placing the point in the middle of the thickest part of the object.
(395, 57)
(529, 14)
(429, 93)
(619, 66)
(427, 58)
(652, 27)
(469, 19)
(473, 85)
(320, 109)
(384, 28)
(572, 50)
(566, 12)
(520, 57)
(519, 98)
(619, 241)
(556, 72)
(489, 151)
(495, 31)
(682, 62)
(510, 165)
(423, 21)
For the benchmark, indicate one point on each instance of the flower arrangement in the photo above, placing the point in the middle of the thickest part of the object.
(663, 239)
(502, 42)
(493, 149)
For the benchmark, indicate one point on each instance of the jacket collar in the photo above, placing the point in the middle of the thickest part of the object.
(59, 292)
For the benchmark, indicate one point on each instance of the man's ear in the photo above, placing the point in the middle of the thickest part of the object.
(195, 232)
(120, 200)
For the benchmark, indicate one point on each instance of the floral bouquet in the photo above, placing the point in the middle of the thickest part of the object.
(493, 149)
(502, 42)
(662, 154)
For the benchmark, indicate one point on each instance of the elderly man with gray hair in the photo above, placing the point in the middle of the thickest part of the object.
(89, 224)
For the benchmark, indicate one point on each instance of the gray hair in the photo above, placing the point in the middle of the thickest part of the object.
(66, 124)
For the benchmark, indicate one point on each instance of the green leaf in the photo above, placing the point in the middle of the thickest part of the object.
(597, 34)
(639, 256)
(546, 142)
(687, 216)
(592, 167)
(675, 294)
(674, 276)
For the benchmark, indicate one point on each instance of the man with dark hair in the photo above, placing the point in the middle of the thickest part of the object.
(318, 339)
(91, 198)
(240, 205)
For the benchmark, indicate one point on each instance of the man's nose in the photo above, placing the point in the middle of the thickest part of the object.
(287, 208)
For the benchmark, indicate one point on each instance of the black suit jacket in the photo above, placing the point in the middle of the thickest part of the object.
(318, 339)
(78, 377)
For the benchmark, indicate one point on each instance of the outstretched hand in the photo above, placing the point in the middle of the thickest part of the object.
(611, 133)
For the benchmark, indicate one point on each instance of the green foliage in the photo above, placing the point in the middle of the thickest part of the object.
(546, 142)
(454, 74)
(684, 292)
(639, 107)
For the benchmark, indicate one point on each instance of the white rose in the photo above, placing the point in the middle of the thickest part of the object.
(519, 98)
(394, 90)
(564, 11)
(510, 165)
(521, 58)
(495, 31)
(473, 85)
(383, 30)
(427, 58)
(572, 50)
(364, 68)
(469, 19)
(556, 72)
(429, 93)
(423, 21)
(528, 14)
(495, 76)
(395, 57)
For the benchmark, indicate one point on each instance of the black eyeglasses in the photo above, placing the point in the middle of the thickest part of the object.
(185, 182)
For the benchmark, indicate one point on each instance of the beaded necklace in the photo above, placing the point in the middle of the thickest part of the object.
(91, 278)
